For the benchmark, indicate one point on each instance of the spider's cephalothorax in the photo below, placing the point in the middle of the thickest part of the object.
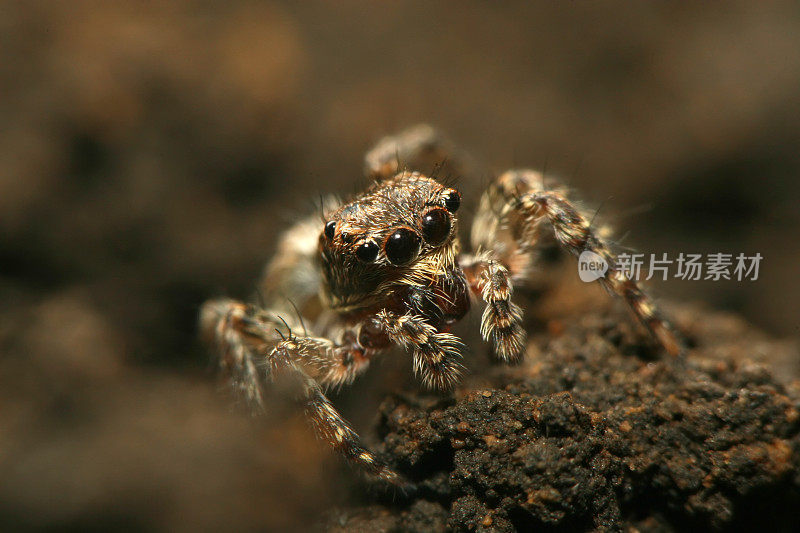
(385, 269)
(399, 233)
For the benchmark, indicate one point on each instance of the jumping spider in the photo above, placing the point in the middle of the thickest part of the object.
(385, 269)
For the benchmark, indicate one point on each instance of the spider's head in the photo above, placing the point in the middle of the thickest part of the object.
(400, 231)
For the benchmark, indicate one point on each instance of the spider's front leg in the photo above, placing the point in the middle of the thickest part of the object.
(519, 201)
(329, 425)
(253, 348)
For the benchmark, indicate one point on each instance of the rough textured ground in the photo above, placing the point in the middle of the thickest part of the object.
(597, 431)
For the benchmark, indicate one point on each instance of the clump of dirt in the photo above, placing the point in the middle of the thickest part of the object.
(597, 430)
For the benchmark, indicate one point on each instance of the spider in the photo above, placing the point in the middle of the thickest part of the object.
(386, 269)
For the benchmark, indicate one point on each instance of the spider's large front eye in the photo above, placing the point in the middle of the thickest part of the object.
(330, 229)
(401, 246)
(367, 252)
(452, 200)
(436, 226)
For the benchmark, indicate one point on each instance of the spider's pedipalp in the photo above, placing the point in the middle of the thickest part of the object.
(501, 322)
(436, 355)
(331, 364)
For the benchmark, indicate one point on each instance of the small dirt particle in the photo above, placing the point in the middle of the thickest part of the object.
(491, 440)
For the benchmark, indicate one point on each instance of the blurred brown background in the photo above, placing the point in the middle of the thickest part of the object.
(150, 152)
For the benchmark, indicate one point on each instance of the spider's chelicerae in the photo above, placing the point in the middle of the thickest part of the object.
(385, 269)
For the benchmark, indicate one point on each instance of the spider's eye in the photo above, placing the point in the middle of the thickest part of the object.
(436, 226)
(367, 252)
(452, 200)
(330, 229)
(401, 246)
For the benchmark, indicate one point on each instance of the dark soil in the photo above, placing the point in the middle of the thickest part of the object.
(597, 431)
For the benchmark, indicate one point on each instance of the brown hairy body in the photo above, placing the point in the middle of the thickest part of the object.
(386, 269)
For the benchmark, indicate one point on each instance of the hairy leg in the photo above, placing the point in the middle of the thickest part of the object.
(229, 327)
(291, 278)
(519, 202)
(501, 322)
(416, 148)
(254, 345)
(328, 424)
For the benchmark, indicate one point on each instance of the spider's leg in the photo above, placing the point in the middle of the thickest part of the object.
(521, 202)
(501, 322)
(291, 278)
(329, 425)
(245, 335)
(255, 344)
(413, 148)
(436, 354)
(226, 324)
